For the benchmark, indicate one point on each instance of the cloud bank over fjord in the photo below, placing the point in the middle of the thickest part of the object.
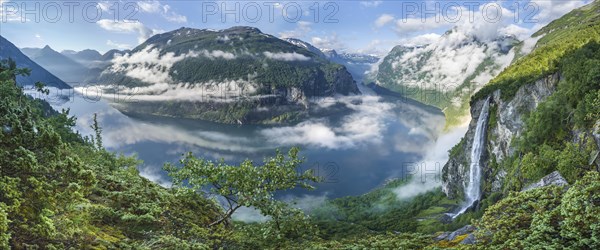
(427, 173)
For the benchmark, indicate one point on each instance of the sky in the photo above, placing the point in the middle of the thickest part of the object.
(372, 27)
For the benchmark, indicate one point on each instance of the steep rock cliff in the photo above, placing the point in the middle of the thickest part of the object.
(506, 122)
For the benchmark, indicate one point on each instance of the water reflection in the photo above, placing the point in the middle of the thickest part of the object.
(355, 152)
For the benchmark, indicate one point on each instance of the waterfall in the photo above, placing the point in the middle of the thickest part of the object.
(473, 189)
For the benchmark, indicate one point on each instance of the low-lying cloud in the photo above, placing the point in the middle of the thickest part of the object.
(363, 126)
(288, 57)
(150, 66)
(426, 174)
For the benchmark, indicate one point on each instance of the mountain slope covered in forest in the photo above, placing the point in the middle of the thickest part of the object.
(236, 75)
(448, 71)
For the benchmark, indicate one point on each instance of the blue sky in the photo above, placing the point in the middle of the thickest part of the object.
(358, 26)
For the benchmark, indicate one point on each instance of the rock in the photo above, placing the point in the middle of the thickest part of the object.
(442, 236)
(498, 180)
(552, 179)
(461, 231)
(446, 218)
(469, 240)
(596, 133)
(506, 123)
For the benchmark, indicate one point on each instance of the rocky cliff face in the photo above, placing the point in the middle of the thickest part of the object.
(505, 123)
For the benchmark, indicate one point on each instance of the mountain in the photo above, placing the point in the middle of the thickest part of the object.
(446, 72)
(305, 45)
(38, 73)
(30, 52)
(89, 58)
(109, 55)
(357, 64)
(65, 68)
(333, 55)
(236, 75)
(544, 113)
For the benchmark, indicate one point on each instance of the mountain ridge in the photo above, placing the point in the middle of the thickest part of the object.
(38, 73)
(446, 72)
(60, 65)
(252, 71)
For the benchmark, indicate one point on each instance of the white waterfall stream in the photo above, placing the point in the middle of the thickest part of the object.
(473, 188)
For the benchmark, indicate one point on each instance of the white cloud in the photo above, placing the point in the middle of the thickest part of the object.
(449, 59)
(378, 47)
(515, 30)
(372, 3)
(122, 131)
(365, 125)
(119, 46)
(288, 57)
(306, 203)
(421, 39)
(127, 27)
(529, 44)
(149, 6)
(428, 171)
(383, 20)
(155, 7)
(249, 215)
(171, 16)
(302, 28)
(214, 54)
(148, 65)
(405, 26)
(480, 22)
(553, 9)
(313, 133)
(154, 174)
(103, 5)
(328, 42)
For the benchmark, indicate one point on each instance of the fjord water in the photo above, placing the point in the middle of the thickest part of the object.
(354, 152)
(473, 188)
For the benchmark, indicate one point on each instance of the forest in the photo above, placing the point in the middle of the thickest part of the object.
(62, 190)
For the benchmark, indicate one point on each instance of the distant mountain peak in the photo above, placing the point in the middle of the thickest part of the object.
(38, 74)
(305, 45)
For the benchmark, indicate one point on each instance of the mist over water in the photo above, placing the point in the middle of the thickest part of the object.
(354, 152)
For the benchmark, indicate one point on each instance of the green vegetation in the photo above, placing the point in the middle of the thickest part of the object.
(255, 80)
(59, 190)
(245, 185)
(453, 100)
(549, 142)
(381, 211)
(548, 217)
(558, 39)
(557, 137)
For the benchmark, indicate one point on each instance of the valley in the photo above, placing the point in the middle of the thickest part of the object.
(466, 135)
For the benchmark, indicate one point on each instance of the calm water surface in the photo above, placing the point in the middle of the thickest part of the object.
(354, 153)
